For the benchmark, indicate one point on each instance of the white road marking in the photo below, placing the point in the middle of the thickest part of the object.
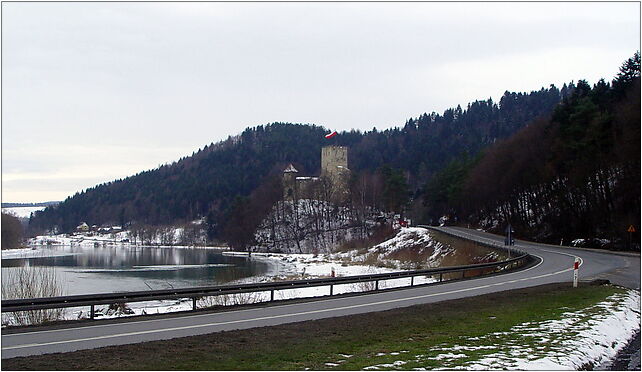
(282, 315)
(565, 254)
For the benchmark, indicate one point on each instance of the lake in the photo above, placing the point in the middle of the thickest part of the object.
(85, 269)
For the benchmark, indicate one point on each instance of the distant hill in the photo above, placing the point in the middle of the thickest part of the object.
(17, 205)
(206, 183)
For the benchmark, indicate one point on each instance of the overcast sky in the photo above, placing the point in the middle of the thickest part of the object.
(92, 92)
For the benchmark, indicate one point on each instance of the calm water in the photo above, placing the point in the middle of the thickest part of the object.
(84, 270)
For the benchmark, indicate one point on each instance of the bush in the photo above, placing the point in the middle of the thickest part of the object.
(31, 282)
(233, 299)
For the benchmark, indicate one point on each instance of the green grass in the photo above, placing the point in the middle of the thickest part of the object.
(312, 344)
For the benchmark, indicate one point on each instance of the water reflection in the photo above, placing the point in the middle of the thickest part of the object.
(113, 269)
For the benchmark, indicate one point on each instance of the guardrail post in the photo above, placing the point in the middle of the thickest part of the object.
(440, 277)
(412, 281)
(193, 303)
(463, 274)
(272, 295)
(331, 289)
(376, 285)
(92, 312)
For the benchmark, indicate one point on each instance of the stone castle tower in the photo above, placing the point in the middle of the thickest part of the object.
(334, 160)
(289, 181)
(334, 167)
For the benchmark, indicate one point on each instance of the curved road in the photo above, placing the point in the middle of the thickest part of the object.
(556, 266)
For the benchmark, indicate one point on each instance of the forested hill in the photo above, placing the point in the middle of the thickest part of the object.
(204, 184)
(573, 175)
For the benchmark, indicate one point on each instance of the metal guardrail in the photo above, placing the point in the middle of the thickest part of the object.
(199, 292)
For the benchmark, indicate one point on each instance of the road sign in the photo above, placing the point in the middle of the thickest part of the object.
(631, 229)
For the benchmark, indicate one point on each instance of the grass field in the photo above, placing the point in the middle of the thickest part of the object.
(389, 340)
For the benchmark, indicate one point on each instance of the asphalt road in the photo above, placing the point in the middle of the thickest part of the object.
(555, 266)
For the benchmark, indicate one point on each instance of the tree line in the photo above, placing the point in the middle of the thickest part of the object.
(573, 174)
(12, 231)
(214, 179)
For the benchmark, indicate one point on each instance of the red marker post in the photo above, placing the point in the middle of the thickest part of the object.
(576, 268)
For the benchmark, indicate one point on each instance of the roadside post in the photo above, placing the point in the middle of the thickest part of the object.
(509, 236)
(576, 268)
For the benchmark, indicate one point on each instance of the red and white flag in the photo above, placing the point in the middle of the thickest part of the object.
(330, 135)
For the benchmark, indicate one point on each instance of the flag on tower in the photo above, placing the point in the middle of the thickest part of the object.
(330, 135)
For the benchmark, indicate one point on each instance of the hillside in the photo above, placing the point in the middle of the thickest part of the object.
(206, 183)
(573, 175)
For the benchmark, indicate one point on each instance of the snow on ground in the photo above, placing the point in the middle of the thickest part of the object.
(590, 243)
(68, 239)
(411, 238)
(22, 212)
(406, 238)
(578, 340)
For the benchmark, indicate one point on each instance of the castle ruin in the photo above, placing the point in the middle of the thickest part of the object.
(334, 177)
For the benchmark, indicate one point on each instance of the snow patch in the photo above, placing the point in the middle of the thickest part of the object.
(395, 364)
(22, 212)
(589, 336)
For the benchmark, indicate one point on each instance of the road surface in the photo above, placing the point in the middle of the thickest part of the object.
(555, 266)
